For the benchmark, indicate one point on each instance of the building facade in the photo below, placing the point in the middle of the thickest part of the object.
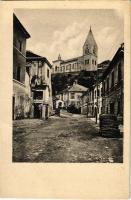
(92, 100)
(72, 95)
(113, 82)
(21, 88)
(84, 103)
(106, 96)
(40, 80)
(88, 61)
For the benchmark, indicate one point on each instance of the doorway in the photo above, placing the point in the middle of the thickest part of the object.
(112, 108)
(46, 112)
(37, 111)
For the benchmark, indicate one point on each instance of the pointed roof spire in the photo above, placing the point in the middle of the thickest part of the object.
(90, 38)
(59, 57)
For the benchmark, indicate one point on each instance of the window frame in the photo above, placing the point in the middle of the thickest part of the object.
(72, 93)
(48, 73)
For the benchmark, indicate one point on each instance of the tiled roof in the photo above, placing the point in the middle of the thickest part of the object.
(77, 88)
(32, 56)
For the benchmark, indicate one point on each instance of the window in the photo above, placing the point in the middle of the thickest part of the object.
(107, 84)
(93, 62)
(112, 79)
(21, 100)
(77, 66)
(79, 96)
(55, 68)
(18, 73)
(112, 108)
(38, 95)
(48, 73)
(86, 61)
(119, 108)
(20, 45)
(49, 91)
(95, 93)
(101, 92)
(98, 92)
(119, 72)
(72, 95)
(40, 71)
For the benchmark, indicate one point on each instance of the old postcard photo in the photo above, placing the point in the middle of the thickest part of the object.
(67, 110)
(68, 85)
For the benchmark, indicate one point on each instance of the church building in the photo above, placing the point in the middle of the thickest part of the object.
(88, 61)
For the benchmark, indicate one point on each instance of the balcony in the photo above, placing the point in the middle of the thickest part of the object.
(38, 101)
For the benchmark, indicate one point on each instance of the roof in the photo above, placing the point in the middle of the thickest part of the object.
(18, 24)
(77, 88)
(68, 60)
(33, 57)
(90, 39)
(118, 54)
(104, 63)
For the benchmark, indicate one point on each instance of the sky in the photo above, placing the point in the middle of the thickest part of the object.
(64, 31)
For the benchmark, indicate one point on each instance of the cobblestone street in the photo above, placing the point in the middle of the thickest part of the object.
(69, 138)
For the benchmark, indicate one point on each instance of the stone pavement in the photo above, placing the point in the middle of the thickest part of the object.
(69, 138)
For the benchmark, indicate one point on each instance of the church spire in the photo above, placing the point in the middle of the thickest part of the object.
(90, 52)
(90, 38)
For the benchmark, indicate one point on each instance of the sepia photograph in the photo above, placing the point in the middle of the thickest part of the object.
(68, 85)
(65, 99)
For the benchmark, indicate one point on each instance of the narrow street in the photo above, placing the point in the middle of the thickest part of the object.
(69, 138)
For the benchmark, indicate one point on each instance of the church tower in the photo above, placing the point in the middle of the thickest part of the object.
(57, 65)
(90, 51)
